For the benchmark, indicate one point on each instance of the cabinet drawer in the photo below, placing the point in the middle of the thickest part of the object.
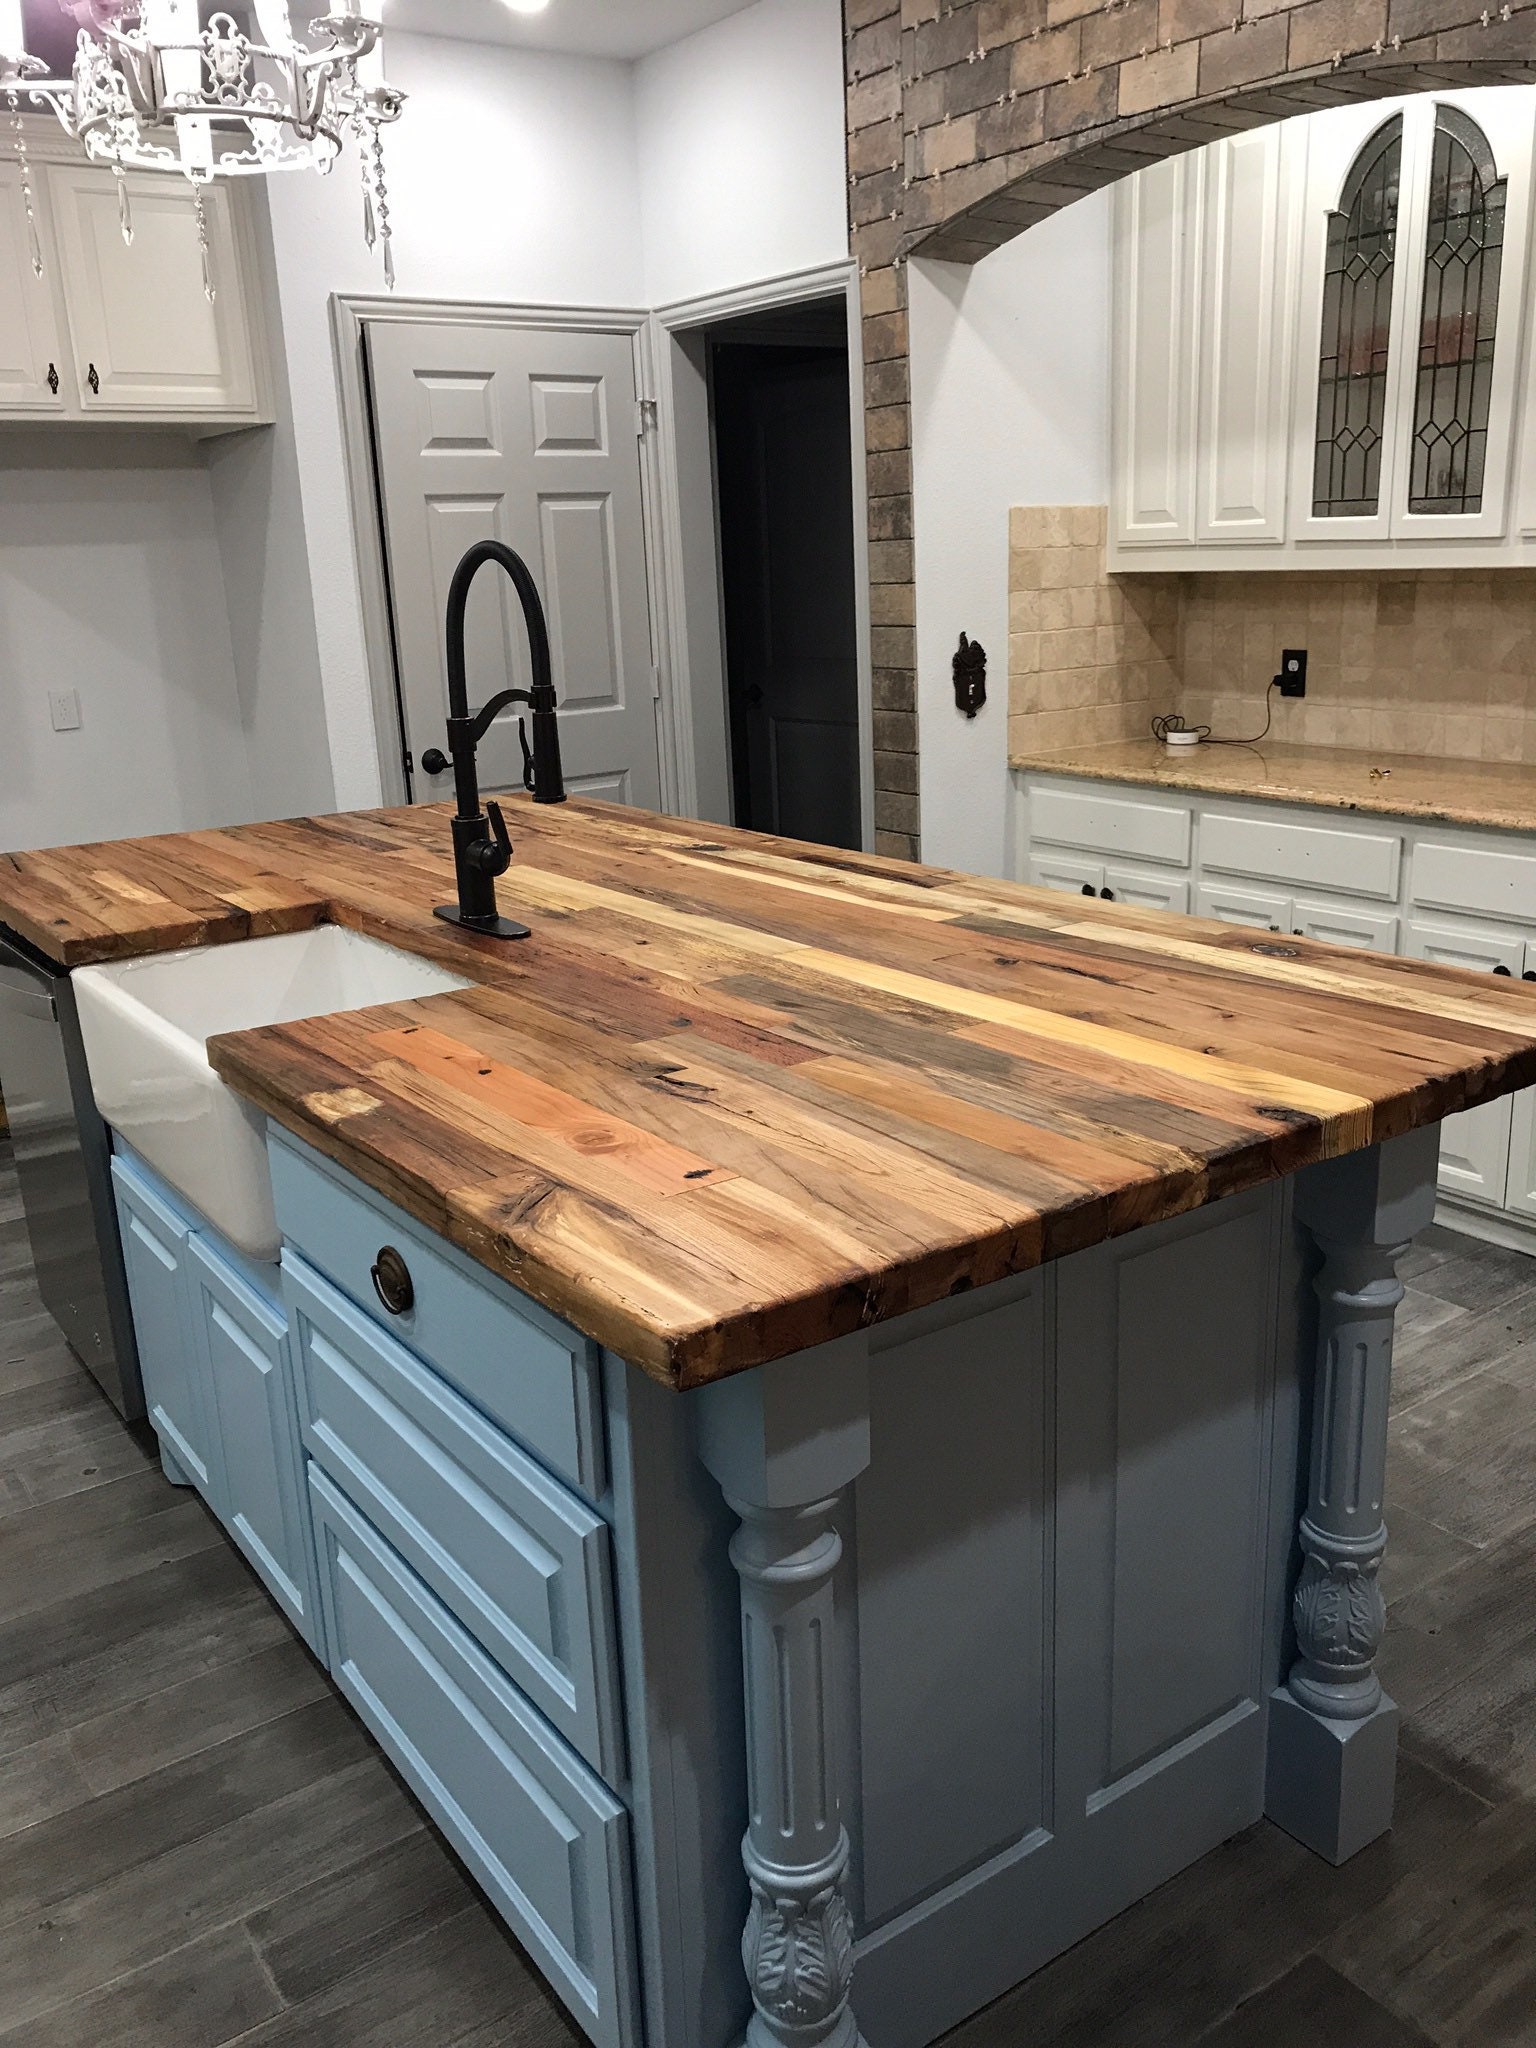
(522, 1563)
(1361, 863)
(547, 1840)
(1476, 879)
(1111, 824)
(531, 1373)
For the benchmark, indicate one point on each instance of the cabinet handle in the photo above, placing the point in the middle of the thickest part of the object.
(1502, 969)
(392, 1282)
(53, 379)
(93, 380)
(1107, 895)
(1089, 889)
(1529, 974)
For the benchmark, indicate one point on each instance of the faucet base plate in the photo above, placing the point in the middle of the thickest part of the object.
(491, 927)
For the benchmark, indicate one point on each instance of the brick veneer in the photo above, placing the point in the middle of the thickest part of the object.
(970, 120)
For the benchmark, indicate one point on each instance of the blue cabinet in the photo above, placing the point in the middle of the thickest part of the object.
(242, 1340)
(156, 1236)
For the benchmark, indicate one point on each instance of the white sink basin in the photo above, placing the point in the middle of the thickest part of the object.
(146, 1024)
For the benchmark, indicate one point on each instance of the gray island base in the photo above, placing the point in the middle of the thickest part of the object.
(1043, 1594)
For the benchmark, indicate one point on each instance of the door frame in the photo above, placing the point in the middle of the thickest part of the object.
(689, 530)
(351, 315)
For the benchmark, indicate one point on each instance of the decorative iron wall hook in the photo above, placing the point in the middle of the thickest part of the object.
(970, 676)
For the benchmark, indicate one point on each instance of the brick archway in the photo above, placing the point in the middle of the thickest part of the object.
(971, 120)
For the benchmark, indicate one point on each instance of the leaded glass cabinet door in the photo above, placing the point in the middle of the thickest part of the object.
(1353, 291)
(1465, 246)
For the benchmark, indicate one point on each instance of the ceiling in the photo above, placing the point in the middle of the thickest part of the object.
(591, 28)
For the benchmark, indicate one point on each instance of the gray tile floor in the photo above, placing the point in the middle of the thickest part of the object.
(199, 1846)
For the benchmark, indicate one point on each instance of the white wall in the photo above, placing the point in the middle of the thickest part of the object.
(111, 584)
(743, 161)
(513, 177)
(1010, 406)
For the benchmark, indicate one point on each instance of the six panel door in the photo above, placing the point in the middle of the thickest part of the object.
(525, 435)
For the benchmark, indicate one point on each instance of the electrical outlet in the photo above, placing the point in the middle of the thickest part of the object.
(1293, 672)
(64, 709)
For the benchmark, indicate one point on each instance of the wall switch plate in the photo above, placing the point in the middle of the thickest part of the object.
(1293, 672)
(64, 709)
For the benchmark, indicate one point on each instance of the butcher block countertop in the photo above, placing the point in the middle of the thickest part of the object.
(1497, 794)
(737, 1095)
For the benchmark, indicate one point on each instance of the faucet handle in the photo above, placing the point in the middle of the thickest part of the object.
(522, 740)
(501, 855)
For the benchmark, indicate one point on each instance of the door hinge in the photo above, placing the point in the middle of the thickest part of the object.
(409, 763)
(645, 417)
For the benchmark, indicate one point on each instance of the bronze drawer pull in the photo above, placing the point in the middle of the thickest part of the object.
(392, 1282)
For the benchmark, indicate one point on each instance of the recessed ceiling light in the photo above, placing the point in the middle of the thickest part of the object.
(527, 6)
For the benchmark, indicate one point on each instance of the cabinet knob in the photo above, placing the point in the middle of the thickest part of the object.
(392, 1282)
(1089, 889)
(1529, 974)
(1502, 969)
(53, 379)
(93, 380)
(1108, 895)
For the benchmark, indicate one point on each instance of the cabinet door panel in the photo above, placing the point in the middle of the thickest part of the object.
(1520, 1193)
(1344, 924)
(1475, 1146)
(155, 1242)
(1157, 236)
(139, 317)
(1145, 891)
(1064, 871)
(31, 336)
(1244, 454)
(244, 1352)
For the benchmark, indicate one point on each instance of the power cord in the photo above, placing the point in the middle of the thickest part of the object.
(1171, 721)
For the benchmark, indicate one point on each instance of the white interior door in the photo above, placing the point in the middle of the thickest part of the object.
(525, 435)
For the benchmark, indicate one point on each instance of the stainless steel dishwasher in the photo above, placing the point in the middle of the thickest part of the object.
(62, 1156)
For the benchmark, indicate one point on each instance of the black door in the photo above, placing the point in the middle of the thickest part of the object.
(784, 469)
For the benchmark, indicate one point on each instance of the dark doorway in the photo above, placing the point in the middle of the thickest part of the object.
(784, 477)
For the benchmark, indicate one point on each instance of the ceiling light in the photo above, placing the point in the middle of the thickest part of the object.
(165, 85)
(527, 6)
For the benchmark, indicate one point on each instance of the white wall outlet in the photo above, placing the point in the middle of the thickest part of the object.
(64, 709)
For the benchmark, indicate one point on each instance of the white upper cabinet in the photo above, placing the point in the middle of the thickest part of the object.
(1358, 337)
(1157, 238)
(125, 331)
(34, 376)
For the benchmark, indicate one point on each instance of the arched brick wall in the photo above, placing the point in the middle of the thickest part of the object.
(970, 120)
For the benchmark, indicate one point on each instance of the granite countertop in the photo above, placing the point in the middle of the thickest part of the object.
(1501, 795)
(739, 1095)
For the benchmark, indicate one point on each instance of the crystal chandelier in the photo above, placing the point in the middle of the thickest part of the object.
(155, 89)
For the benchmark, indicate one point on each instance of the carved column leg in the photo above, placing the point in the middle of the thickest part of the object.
(783, 1443)
(1333, 1731)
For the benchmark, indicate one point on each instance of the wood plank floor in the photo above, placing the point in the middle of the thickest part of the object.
(200, 1847)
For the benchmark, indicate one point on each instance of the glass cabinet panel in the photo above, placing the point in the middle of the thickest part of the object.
(1463, 257)
(1356, 330)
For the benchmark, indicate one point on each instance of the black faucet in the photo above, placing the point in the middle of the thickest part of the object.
(482, 846)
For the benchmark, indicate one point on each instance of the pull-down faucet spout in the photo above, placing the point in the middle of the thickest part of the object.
(482, 847)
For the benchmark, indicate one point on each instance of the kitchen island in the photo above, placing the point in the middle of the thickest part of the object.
(911, 1308)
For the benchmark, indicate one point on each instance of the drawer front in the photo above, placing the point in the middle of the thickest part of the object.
(522, 1563)
(1230, 905)
(1475, 948)
(1064, 871)
(155, 1240)
(547, 1840)
(1475, 879)
(1126, 826)
(242, 1338)
(1145, 891)
(1341, 924)
(1318, 856)
(531, 1373)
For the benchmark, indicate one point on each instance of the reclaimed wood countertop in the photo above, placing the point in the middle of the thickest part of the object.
(738, 1095)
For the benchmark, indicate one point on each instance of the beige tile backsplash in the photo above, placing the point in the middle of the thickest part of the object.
(1407, 662)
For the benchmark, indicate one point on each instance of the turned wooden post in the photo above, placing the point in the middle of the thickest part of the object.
(1333, 1731)
(784, 1441)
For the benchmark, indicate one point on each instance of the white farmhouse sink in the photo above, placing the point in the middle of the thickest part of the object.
(146, 1024)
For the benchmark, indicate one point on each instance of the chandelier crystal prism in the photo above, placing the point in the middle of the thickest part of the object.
(155, 87)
